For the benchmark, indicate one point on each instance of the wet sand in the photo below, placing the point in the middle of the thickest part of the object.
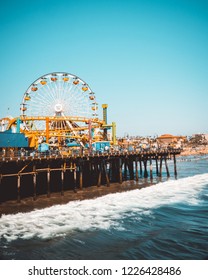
(42, 201)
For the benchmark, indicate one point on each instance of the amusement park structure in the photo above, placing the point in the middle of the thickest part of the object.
(57, 110)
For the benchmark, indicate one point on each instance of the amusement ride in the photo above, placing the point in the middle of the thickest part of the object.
(58, 109)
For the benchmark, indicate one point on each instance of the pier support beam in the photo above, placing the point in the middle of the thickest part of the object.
(166, 166)
(131, 169)
(62, 178)
(80, 177)
(160, 172)
(106, 174)
(34, 183)
(175, 168)
(145, 169)
(99, 174)
(125, 169)
(151, 176)
(48, 182)
(75, 178)
(18, 188)
(156, 161)
(120, 170)
(136, 169)
(140, 167)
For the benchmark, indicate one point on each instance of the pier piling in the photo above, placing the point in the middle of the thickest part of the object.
(48, 182)
(160, 172)
(156, 162)
(136, 169)
(151, 176)
(120, 170)
(140, 167)
(75, 178)
(18, 188)
(166, 166)
(80, 177)
(145, 168)
(34, 183)
(175, 168)
(62, 179)
(99, 174)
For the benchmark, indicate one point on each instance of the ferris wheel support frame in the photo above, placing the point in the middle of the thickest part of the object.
(88, 125)
(95, 123)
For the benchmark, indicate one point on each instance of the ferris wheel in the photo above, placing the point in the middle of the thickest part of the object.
(59, 94)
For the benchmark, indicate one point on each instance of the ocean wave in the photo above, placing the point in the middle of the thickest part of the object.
(100, 213)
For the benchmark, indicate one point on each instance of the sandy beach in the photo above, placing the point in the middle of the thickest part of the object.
(197, 150)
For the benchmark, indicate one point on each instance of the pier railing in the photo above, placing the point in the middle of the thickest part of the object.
(11, 155)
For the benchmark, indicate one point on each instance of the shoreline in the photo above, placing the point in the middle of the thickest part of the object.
(197, 151)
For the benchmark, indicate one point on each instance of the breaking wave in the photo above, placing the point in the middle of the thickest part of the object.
(100, 213)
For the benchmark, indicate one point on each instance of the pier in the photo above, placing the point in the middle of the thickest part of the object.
(61, 147)
(34, 176)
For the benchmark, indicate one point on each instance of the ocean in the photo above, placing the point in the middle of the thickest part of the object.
(166, 221)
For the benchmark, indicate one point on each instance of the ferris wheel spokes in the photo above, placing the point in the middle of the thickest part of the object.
(60, 95)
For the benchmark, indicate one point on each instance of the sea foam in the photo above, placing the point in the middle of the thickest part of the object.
(100, 213)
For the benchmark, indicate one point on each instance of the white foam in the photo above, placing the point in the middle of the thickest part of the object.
(101, 213)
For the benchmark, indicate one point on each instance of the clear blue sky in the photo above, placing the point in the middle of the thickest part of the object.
(148, 59)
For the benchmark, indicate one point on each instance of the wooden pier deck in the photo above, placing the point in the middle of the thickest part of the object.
(38, 176)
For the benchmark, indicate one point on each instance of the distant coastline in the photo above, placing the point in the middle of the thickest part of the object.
(194, 151)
